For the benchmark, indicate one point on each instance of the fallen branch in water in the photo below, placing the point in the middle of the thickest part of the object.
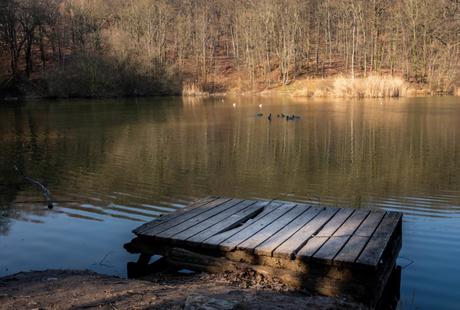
(46, 193)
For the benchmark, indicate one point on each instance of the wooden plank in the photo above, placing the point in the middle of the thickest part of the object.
(268, 246)
(313, 244)
(230, 222)
(371, 223)
(251, 243)
(201, 203)
(168, 233)
(185, 216)
(231, 243)
(335, 243)
(167, 217)
(204, 225)
(377, 244)
(290, 247)
(215, 240)
(358, 241)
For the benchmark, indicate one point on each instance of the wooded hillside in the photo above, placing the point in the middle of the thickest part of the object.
(141, 47)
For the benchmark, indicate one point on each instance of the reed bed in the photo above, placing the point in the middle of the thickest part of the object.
(369, 87)
(194, 90)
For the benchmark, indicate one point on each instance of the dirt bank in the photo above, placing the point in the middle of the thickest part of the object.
(67, 289)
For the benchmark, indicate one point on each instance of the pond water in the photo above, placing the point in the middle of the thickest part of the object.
(113, 164)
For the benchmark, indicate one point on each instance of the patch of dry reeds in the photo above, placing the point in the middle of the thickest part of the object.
(193, 89)
(369, 87)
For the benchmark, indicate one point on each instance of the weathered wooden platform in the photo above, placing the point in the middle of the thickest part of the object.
(334, 251)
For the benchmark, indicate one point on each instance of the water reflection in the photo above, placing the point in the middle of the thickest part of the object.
(336, 153)
(131, 160)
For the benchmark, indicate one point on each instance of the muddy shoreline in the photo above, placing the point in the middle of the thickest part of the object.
(83, 289)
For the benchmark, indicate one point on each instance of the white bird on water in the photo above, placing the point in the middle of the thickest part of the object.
(260, 105)
(234, 104)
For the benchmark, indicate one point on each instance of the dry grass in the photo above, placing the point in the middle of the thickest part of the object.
(193, 89)
(370, 87)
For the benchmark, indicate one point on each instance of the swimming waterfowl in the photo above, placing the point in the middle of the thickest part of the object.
(292, 117)
(269, 117)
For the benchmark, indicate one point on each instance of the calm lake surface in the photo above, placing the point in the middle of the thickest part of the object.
(114, 164)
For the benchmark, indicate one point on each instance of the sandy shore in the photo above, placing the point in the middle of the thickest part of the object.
(69, 289)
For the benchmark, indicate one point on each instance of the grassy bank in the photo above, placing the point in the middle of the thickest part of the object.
(92, 77)
(345, 87)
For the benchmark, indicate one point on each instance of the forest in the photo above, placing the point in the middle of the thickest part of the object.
(109, 48)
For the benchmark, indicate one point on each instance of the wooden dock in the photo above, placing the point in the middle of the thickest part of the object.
(333, 251)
